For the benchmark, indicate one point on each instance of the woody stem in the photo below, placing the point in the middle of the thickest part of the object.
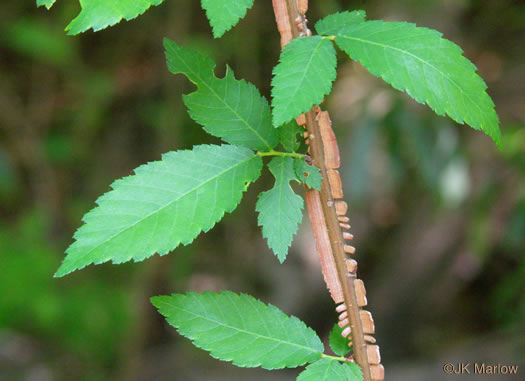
(328, 205)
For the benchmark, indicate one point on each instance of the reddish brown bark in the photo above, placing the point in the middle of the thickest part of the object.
(327, 214)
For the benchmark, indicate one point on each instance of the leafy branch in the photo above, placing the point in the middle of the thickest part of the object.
(169, 202)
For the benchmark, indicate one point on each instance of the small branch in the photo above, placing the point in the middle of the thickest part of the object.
(296, 24)
(341, 359)
(281, 154)
(337, 245)
(283, 22)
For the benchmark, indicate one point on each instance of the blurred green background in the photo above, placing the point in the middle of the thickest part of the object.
(437, 211)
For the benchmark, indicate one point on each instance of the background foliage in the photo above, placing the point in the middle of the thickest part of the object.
(438, 213)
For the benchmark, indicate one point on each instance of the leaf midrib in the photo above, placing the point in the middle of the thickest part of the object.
(327, 370)
(282, 182)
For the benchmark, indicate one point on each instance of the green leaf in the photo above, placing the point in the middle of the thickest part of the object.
(230, 109)
(99, 14)
(224, 14)
(356, 374)
(338, 343)
(331, 370)
(308, 174)
(334, 24)
(165, 203)
(430, 69)
(288, 136)
(280, 209)
(303, 77)
(47, 3)
(241, 329)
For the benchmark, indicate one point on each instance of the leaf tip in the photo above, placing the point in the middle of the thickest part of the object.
(278, 121)
(61, 272)
(217, 33)
(45, 3)
(156, 300)
(281, 255)
(496, 136)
